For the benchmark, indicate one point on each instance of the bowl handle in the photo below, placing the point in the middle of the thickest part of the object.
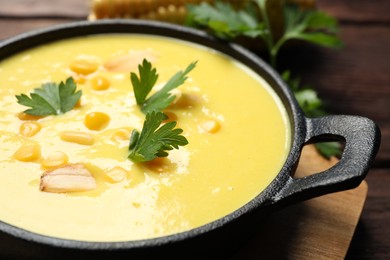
(362, 139)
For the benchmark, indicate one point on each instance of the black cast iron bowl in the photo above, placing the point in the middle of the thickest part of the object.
(218, 238)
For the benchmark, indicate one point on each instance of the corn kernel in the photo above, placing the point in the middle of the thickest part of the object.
(99, 8)
(170, 116)
(28, 129)
(80, 79)
(121, 135)
(167, 10)
(162, 13)
(28, 152)
(100, 83)
(84, 66)
(54, 160)
(184, 100)
(211, 126)
(115, 174)
(77, 137)
(78, 104)
(26, 117)
(159, 165)
(96, 121)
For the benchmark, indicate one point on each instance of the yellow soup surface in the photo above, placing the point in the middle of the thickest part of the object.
(237, 128)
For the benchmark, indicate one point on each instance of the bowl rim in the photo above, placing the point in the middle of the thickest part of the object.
(38, 37)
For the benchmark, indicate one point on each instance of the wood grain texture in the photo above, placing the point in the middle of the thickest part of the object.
(372, 236)
(13, 27)
(54, 9)
(364, 11)
(358, 77)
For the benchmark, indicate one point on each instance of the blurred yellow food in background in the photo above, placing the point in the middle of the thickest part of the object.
(167, 10)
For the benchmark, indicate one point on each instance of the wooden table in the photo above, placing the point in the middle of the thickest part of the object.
(355, 80)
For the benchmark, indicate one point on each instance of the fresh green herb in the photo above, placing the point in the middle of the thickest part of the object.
(51, 98)
(225, 21)
(306, 96)
(143, 84)
(312, 26)
(228, 23)
(154, 140)
(329, 149)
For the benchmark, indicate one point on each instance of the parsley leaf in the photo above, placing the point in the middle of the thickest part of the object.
(143, 84)
(306, 96)
(228, 23)
(51, 98)
(224, 21)
(163, 98)
(329, 149)
(154, 140)
(312, 26)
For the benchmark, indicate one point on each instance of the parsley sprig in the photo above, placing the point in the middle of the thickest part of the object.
(306, 96)
(225, 21)
(228, 23)
(155, 139)
(144, 83)
(51, 98)
(307, 25)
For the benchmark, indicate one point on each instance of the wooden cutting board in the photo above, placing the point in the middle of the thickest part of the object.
(320, 228)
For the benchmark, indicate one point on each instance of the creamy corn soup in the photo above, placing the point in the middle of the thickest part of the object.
(237, 129)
